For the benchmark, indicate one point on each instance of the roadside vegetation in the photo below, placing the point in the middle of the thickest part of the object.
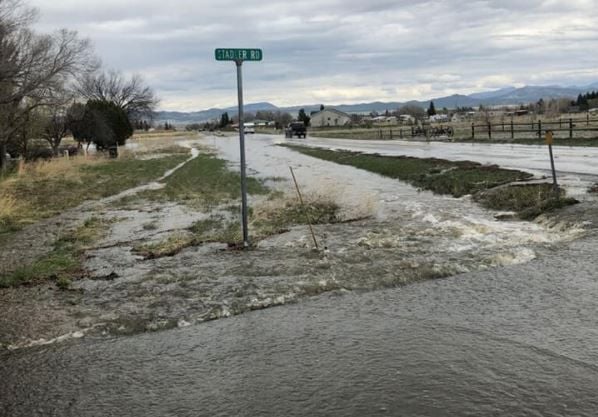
(274, 215)
(63, 262)
(528, 200)
(205, 182)
(490, 185)
(46, 188)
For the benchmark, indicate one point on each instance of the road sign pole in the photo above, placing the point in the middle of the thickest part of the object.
(239, 55)
(549, 140)
(239, 64)
(554, 183)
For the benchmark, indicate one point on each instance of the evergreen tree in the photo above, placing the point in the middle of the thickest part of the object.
(302, 117)
(224, 120)
(431, 109)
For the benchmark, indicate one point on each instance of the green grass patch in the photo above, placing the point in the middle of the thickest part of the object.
(438, 175)
(63, 263)
(528, 200)
(457, 179)
(206, 182)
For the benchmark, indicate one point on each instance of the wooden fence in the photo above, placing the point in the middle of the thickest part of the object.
(537, 128)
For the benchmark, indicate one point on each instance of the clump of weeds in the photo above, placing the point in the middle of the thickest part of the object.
(528, 200)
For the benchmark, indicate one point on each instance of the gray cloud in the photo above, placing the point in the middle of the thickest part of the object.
(336, 51)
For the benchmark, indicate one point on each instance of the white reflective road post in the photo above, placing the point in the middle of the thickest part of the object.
(238, 56)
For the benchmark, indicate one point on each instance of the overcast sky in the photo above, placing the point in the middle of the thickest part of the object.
(336, 51)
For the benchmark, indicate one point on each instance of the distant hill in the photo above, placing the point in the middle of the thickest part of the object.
(503, 96)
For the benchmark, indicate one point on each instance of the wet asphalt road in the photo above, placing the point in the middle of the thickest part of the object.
(568, 159)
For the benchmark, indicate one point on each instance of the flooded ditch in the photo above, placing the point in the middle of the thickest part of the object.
(404, 235)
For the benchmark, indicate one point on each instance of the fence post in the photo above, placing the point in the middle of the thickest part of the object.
(539, 129)
(380, 132)
(401, 133)
(560, 123)
(472, 131)
(503, 126)
(512, 130)
(412, 132)
(587, 118)
(489, 131)
(570, 128)
(390, 133)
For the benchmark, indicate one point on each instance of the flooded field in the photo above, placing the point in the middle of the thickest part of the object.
(519, 341)
(393, 235)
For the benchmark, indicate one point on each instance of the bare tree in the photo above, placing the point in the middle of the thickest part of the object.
(55, 127)
(132, 95)
(35, 69)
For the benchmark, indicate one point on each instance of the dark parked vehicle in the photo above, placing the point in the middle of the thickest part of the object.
(296, 129)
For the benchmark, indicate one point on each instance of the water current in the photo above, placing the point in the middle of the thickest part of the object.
(515, 334)
(515, 341)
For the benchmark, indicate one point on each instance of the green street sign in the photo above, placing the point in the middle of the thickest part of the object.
(236, 54)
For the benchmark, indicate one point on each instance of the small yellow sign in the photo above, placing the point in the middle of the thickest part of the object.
(548, 138)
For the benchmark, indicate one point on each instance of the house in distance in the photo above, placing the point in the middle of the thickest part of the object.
(329, 117)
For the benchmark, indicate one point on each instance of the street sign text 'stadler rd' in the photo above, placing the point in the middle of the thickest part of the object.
(235, 54)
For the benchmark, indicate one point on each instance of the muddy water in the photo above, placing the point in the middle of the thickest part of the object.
(514, 334)
(454, 225)
(406, 236)
(514, 341)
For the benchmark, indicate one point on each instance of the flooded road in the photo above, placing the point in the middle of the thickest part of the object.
(513, 331)
(520, 340)
(576, 166)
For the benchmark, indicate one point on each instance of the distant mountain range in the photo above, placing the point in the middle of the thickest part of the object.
(503, 96)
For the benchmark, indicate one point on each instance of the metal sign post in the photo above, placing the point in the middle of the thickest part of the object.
(238, 56)
(549, 141)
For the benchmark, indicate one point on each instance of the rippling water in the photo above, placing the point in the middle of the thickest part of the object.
(516, 341)
(520, 340)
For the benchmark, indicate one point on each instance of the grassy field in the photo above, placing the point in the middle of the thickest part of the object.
(47, 188)
(456, 178)
(438, 175)
(204, 182)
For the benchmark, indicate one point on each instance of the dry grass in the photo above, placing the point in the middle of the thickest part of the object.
(46, 188)
(14, 189)
(57, 168)
(162, 135)
(169, 247)
(9, 208)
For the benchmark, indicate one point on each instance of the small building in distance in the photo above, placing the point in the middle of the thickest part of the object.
(329, 117)
(439, 118)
